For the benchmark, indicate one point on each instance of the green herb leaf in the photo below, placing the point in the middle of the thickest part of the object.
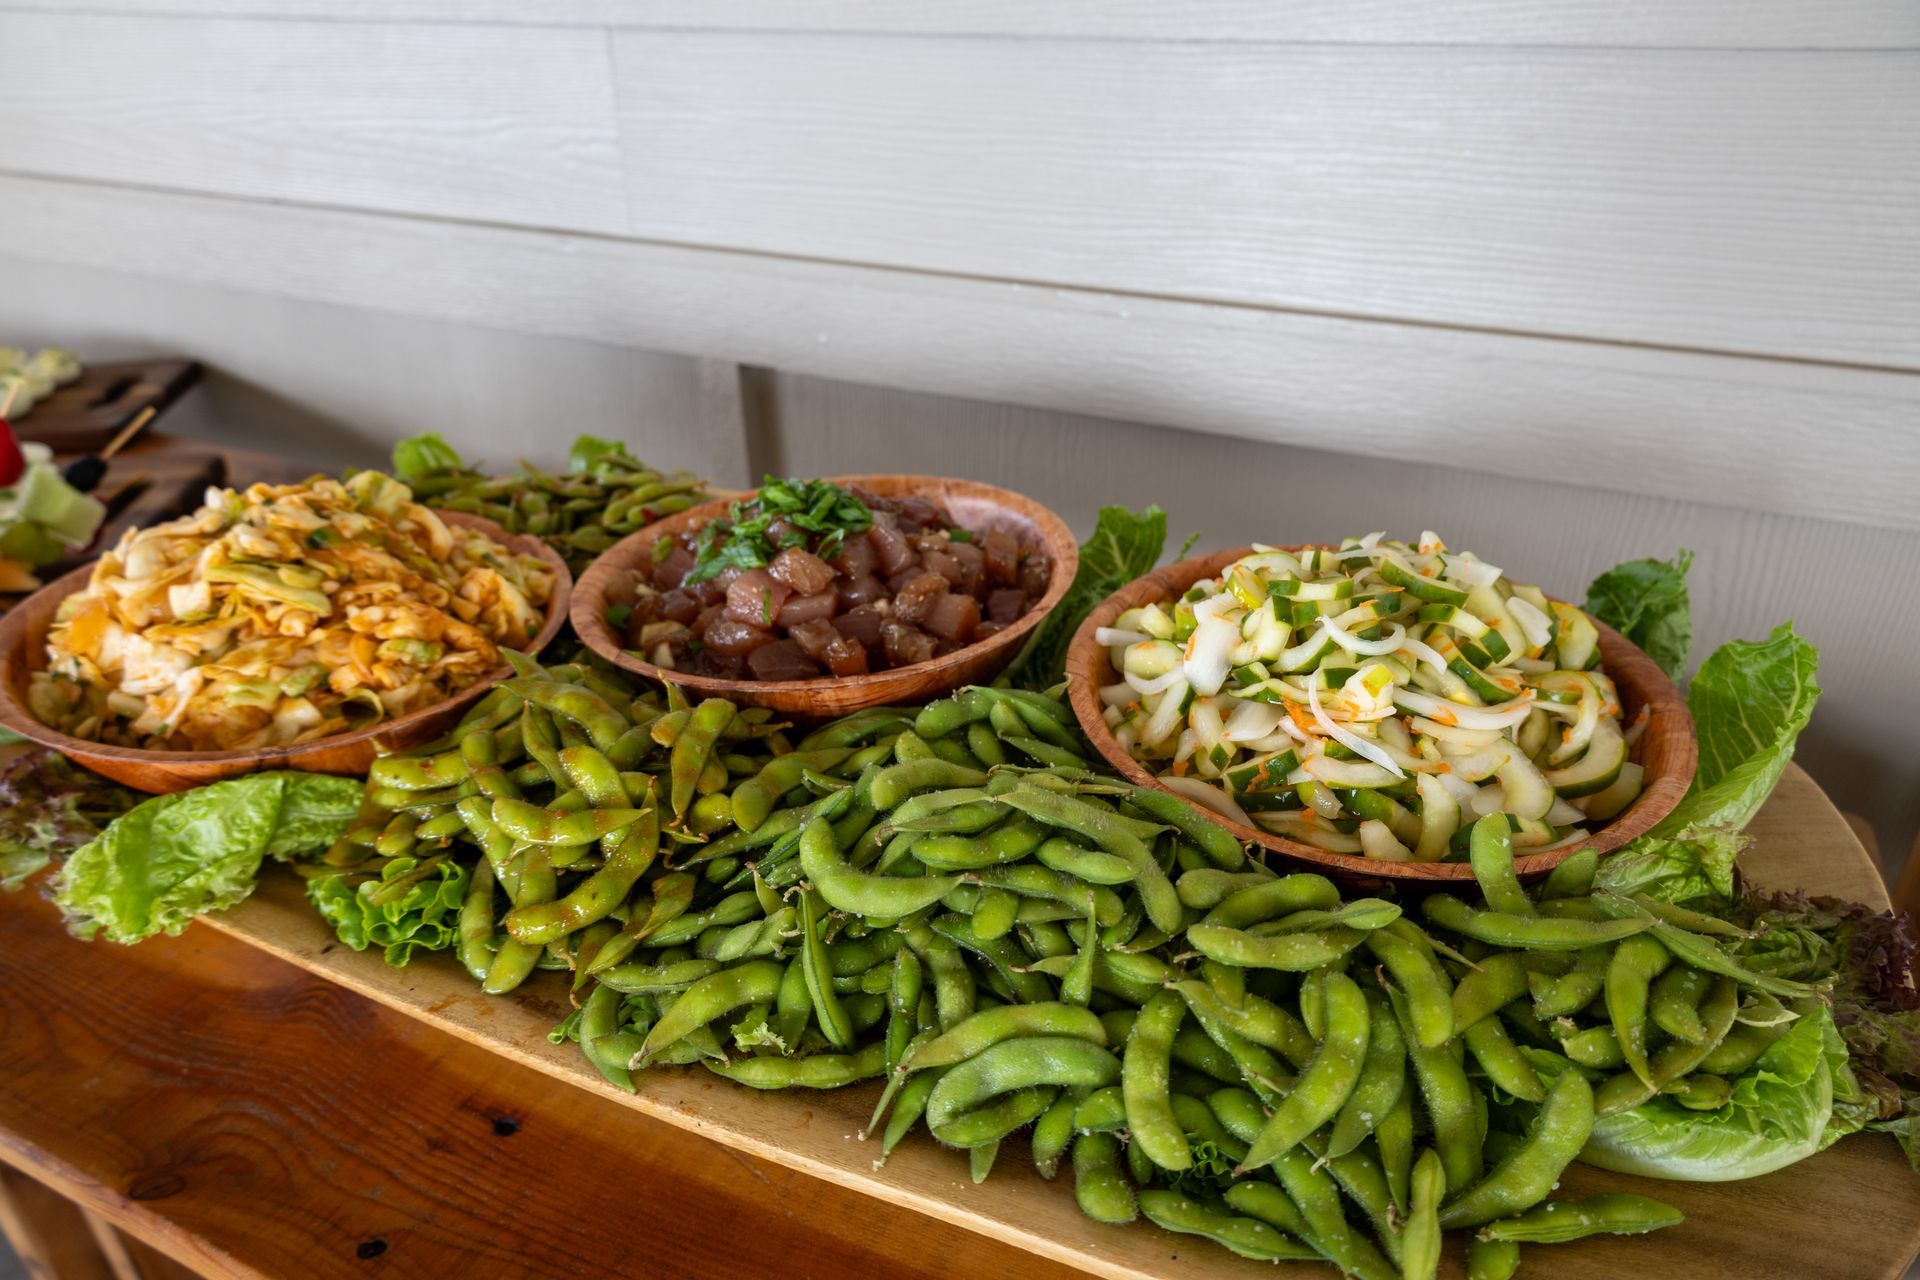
(617, 615)
(740, 539)
(1124, 545)
(419, 455)
(1749, 701)
(177, 856)
(424, 918)
(1646, 601)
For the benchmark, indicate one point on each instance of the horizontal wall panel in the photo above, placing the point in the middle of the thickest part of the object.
(1761, 203)
(488, 123)
(1789, 24)
(1799, 439)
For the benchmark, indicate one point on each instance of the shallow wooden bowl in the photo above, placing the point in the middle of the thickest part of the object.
(973, 506)
(23, 650)
(1666, 748)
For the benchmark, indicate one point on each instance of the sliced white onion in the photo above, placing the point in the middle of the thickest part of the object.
(1166, 715)
(1531, 621)
(1453, 734)
(1470, 569)
(1115, 635)
(1573, 837)
(1425, 652)
(1207, 795)
(1214, 605)
(1159, 684)
(1349, 739)
(1505, 717)
(1532, 666)
(1118, 695)
(1389, 643)
(1250, 721)
(1210, 653)
(1458, 787)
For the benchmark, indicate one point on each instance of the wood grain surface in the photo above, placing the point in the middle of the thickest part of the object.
(972, 505)
(1666, 749)
(253, 1120)
(90, 411)
(1862, 1182)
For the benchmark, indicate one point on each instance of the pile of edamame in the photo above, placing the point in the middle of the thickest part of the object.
(954, 901)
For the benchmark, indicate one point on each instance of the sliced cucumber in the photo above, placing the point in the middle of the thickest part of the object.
(1577, 643)
(1378, 841)
(1268, 773)
(1439, 818)
(1598, 769)
(1348, 773)
(1605, 805)
(1528, 793)
(1376, 806)
(1294, 824)
(1420, 587)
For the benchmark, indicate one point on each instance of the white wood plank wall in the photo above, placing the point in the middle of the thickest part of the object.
(1582, 280)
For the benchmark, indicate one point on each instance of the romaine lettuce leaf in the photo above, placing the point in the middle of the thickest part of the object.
(1124, 545)
(1693, 867)
(1750, 700)
(425, 915)
(1646, 601)
(1779, 1113)
(177, 856)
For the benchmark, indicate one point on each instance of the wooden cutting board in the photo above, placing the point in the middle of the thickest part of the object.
(1852, 1211)
(83, 415)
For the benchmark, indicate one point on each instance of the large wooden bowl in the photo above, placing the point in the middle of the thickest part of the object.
(23, 650)
(973, 506)
(1666, 748)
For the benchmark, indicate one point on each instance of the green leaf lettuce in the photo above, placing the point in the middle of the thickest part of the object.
(411, 907)
(177, 856)
(1124, 545)
(1646, 601)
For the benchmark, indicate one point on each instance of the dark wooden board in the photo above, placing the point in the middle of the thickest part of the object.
(83, 415)
(253, 1120)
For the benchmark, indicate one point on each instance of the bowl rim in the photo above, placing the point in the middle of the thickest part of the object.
(874, 688)
(16, 716)
(1086, 659)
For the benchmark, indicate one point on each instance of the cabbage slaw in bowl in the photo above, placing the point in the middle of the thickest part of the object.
(1374, 699)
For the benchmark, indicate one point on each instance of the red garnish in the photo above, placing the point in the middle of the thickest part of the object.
(12, 465)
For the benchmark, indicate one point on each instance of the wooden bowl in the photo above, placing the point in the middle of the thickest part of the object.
(1666, 748)
(23, 650)
(973, 506)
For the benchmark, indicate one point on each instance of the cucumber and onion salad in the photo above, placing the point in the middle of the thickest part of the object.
(1376, 699)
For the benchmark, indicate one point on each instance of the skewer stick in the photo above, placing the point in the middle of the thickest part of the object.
(127, 432)
(12, 392)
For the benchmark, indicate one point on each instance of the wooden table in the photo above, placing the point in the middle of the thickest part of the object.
(248, 1119)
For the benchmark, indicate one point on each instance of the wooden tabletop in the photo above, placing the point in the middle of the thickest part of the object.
(249, 1119)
